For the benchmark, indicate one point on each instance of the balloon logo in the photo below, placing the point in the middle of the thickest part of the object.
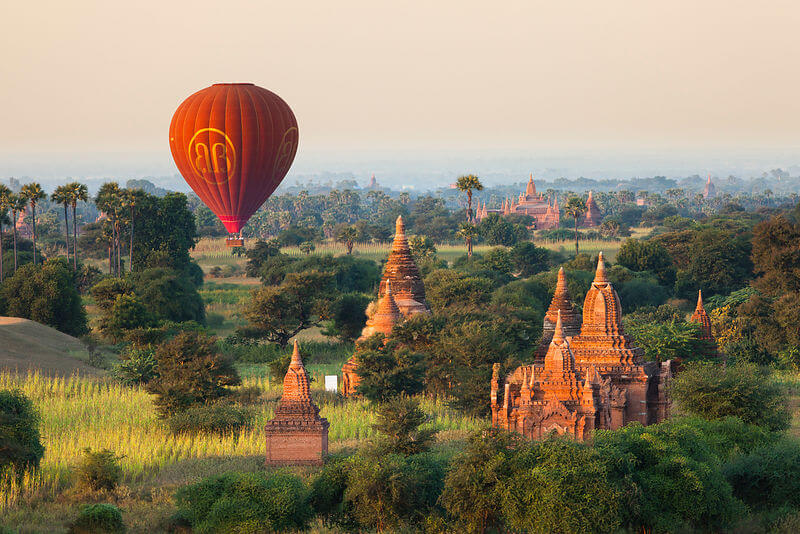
(233, 143)
(217, 163)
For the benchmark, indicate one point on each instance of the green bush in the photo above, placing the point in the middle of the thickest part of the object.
(246, 502)
(218, 418)
(138, 366)
(741, 390)
(99, 470)
(769, 477)
(20, 444)
(101, 518)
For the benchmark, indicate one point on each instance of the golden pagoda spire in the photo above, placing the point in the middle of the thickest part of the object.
(558, 334)
(699, 301)
(297, 361)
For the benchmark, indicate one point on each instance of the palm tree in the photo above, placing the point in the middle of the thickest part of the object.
(468, 232)
(130, 198)
(18, 205)
(108, 199)
(348, 235)
(63, 195)
(78, 193)
(33, 192)
(467, 183)
(574, 208)
(5, 203)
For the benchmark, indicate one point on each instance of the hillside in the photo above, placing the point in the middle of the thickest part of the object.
(27, 345)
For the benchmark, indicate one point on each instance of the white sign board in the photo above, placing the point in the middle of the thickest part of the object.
(331, 382)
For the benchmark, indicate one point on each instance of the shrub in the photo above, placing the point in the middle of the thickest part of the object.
(169, 294)
(99, 470)
(741, 390)
(215, 418)
(19, 432)
(126, 313)
(138, 366)
(101, 518)
(246, 502)
(46, 294)
(191, 371)
(769, 477)
(398, 422)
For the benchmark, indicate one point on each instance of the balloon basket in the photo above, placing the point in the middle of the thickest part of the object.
(234, 242)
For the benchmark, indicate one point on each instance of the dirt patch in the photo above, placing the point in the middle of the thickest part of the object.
(27, 345)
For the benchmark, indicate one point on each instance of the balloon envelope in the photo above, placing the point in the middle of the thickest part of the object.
(233, 143)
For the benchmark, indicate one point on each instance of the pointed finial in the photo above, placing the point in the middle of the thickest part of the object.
(600, 274)
(399, 226)
(296, 360)
(709, 178)
(558, 335)
(699, 299)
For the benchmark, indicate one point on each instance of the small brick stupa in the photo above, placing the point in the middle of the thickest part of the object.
(706, 334)
(297, 435)
(571, 319)
(593, 216)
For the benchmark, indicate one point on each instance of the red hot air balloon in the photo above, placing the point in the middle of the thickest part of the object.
(234, 144)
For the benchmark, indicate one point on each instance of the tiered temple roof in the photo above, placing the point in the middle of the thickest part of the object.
(296, 434)
(402, 271)
(701, 317)
(561, 304)
(602, 338)
(593, 216)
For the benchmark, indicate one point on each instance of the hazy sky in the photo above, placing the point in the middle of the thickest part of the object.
(83, 77)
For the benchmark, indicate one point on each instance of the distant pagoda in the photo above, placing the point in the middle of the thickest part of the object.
(593, 216)
(710, 191)
(296, 435)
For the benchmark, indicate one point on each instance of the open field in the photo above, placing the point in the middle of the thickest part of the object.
(79, 412)
(211, 252)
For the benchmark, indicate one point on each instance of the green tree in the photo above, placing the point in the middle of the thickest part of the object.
(475, 483)
(386, 371)
(246, 502)
(466, 184)
(347, 235)
(672, 475)
(18, 205)
(529, 259)
(741, 390)
(647, 256)
(574, 208)
(78, 193)
(468, 232)
(46, 294)
(446, 288)
(560, 486)
(62, 195)
(169, 295)
(33, 193)
(278, 313)
(191, 371)
(5, 204)
(127, 313)
(398, 421)
(347, 316)
(21, 447)
(392, 492)
(673, 340)
(109, 201)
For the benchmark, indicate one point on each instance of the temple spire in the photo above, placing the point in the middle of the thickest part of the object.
(600, 274)
(699, 300)
(297, 361)
(558, 334)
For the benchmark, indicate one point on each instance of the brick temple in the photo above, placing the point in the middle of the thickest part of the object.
(296, 435)
(593, 379)
(401, 294)
(593, 216)
(545, 215)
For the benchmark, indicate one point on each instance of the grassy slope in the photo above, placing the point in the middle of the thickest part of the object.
(28, 345)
